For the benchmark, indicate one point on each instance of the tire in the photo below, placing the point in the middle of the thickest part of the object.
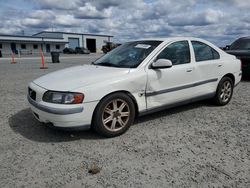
(224, 91)
(114, 115)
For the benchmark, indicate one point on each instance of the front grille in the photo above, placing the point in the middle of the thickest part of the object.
(32, 94)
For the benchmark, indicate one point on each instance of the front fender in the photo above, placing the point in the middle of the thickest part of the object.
(133, 83)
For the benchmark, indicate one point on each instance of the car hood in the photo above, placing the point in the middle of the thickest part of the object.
(79, 76)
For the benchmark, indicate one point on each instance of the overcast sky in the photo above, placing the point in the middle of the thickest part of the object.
(219, 21)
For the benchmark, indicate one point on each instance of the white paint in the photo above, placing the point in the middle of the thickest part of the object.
(97, 82)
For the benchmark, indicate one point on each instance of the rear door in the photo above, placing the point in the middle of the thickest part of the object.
(174, 84)
(208, 68)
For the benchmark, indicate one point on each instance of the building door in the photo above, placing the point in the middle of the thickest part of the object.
(48, 48)
(73, 43)
(91, 45)
(13, 48)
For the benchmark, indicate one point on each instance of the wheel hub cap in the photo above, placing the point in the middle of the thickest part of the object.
(116, 114)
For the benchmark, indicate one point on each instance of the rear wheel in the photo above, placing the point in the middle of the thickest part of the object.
(114, 115)
(224, 91)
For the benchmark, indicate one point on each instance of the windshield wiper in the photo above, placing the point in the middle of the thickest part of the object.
(108, 64)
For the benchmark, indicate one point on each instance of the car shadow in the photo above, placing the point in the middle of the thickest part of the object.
(26, 125)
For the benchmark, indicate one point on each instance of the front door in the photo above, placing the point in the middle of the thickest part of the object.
(13, 48)
(174, 84)
(48, 48)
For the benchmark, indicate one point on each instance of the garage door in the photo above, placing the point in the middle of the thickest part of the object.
(91, 45)
(73, 43)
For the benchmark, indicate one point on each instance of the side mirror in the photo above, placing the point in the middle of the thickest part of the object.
(227, 47)
(161, 64)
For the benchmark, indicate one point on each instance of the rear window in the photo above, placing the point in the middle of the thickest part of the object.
(241, 44)
(204, 52)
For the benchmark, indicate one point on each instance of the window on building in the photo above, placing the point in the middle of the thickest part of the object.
(35, 46)
(1, 46)
(177, 52)
(58, 47)
(23, 46)
(204, 52)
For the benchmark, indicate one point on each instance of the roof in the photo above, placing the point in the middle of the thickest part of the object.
(20, 38)
(24, 36)
(72, 33)
(242, 38)
(172, 38)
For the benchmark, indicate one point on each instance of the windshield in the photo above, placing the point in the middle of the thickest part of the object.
(128, 55)
(241, 44)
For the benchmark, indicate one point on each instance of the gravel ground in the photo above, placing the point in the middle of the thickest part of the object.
(197, 145)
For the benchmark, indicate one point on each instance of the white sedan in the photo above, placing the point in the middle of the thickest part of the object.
(137, 78)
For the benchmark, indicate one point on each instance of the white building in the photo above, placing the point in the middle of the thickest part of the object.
(50, 41)
(93, 42)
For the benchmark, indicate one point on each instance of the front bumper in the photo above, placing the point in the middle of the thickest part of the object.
(64, 116)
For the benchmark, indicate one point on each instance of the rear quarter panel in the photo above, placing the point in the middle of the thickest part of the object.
(231, 65)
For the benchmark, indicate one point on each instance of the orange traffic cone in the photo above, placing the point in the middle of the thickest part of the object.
(13, 58)
(43, 62)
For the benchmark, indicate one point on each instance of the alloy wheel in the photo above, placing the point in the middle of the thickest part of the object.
(116, 115)
(226, 91)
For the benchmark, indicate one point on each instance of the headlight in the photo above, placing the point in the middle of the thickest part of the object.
(63, 97)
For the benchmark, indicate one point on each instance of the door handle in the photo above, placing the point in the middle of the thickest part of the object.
(189, 70)
(219, 65)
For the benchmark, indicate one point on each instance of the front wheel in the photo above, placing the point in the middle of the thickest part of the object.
(114, 115)
(224, 91)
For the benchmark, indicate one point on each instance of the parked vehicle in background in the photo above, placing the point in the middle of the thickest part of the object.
(82, 50)
(109, 46)
(241, 49)
(69, 51)
(136, 78)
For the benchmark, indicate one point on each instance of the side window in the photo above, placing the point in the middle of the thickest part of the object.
(35, 46)
(216, 54)
(23, 46)
(204, 52)
(177, 52)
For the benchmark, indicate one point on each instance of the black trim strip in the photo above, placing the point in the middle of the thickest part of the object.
(75, 128)
(180, 87)
(179, 103)
(57, 111)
